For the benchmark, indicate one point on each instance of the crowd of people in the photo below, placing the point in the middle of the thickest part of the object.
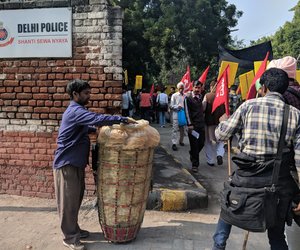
(160, 108)
(257, 123)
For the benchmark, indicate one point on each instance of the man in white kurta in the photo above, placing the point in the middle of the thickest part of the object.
(177, 103)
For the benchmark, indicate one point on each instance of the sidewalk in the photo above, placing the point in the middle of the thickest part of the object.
(207, 182)
(32, 223)
(174, 188)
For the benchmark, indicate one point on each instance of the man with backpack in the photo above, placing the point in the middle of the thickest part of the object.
(259, 123)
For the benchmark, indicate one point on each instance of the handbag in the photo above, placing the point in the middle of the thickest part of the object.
(162, 107)
(254, 208)
(181, 118)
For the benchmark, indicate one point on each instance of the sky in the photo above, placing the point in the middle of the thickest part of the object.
(261, 17)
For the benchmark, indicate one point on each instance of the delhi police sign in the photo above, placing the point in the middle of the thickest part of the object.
(36, 33)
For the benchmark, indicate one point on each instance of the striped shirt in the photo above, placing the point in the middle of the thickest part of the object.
(259, 121)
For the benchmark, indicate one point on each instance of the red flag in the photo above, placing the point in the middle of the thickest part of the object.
(222, 92)
(186, 80)
(202, 78)
(239, 91)
(152, 90)
(252, 91)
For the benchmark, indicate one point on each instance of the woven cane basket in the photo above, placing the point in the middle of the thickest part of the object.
(124, 176)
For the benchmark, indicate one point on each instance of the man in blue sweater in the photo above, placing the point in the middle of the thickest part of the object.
(71, 158)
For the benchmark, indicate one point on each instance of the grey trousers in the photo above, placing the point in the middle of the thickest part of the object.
(177, 132)
(69, 189)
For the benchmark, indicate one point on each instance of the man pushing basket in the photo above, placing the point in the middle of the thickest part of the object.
(71, 158)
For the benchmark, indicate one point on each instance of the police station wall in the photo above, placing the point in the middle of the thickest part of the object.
(33, 93)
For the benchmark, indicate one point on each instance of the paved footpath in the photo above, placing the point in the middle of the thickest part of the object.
(32, 223)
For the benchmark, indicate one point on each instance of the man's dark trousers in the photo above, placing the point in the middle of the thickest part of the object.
(196, 145)
(69, 189)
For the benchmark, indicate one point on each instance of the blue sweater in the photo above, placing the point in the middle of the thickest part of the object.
(73, 143)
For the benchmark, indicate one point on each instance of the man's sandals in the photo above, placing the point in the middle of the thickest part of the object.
(194, 169)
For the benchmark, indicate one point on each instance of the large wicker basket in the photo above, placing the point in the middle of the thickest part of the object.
(124, 176)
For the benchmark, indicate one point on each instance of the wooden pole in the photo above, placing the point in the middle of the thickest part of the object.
(229, 156)
(245, 240)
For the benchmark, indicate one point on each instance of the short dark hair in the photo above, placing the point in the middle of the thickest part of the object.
(196, 83)
(276, 80)
(234, 87)
(77, 86)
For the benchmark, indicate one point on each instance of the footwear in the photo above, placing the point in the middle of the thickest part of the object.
(210, 164)
(74, 246)
(194, 169)
(84, 233)
(181, 143)
(191, 157)
(174, 147)
(220, 160)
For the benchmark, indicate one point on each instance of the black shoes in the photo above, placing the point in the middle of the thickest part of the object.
(84, 234)
(174, 147)
(181, 143)
(78, 245)
(194, 169)
(219, 160)
(74, 246)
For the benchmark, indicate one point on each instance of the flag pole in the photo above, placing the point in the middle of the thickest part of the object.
(229, 156)
(245, 240)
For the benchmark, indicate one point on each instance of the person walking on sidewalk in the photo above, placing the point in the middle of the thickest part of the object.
(177, 103)
(214, 149)
(162, 107)
(195, 122)
(71, 158)
(172, 91)
(145, 105)
(127, 102)
(259, 121)
(292, 97)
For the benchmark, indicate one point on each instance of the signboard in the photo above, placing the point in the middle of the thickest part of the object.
(36, 33)
(245, 83)
(232, 71)
(298, 76)
(257, 65)
(138, 82)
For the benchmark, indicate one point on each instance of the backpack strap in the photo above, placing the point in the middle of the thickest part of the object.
(278, 158)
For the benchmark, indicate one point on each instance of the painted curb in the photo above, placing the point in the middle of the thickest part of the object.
(176, 200)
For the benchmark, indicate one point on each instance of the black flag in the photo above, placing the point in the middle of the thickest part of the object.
(246, 57)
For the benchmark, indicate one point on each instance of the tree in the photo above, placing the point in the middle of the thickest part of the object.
(162, 37)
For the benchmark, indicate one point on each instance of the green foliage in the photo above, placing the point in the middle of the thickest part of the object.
(162, 37)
